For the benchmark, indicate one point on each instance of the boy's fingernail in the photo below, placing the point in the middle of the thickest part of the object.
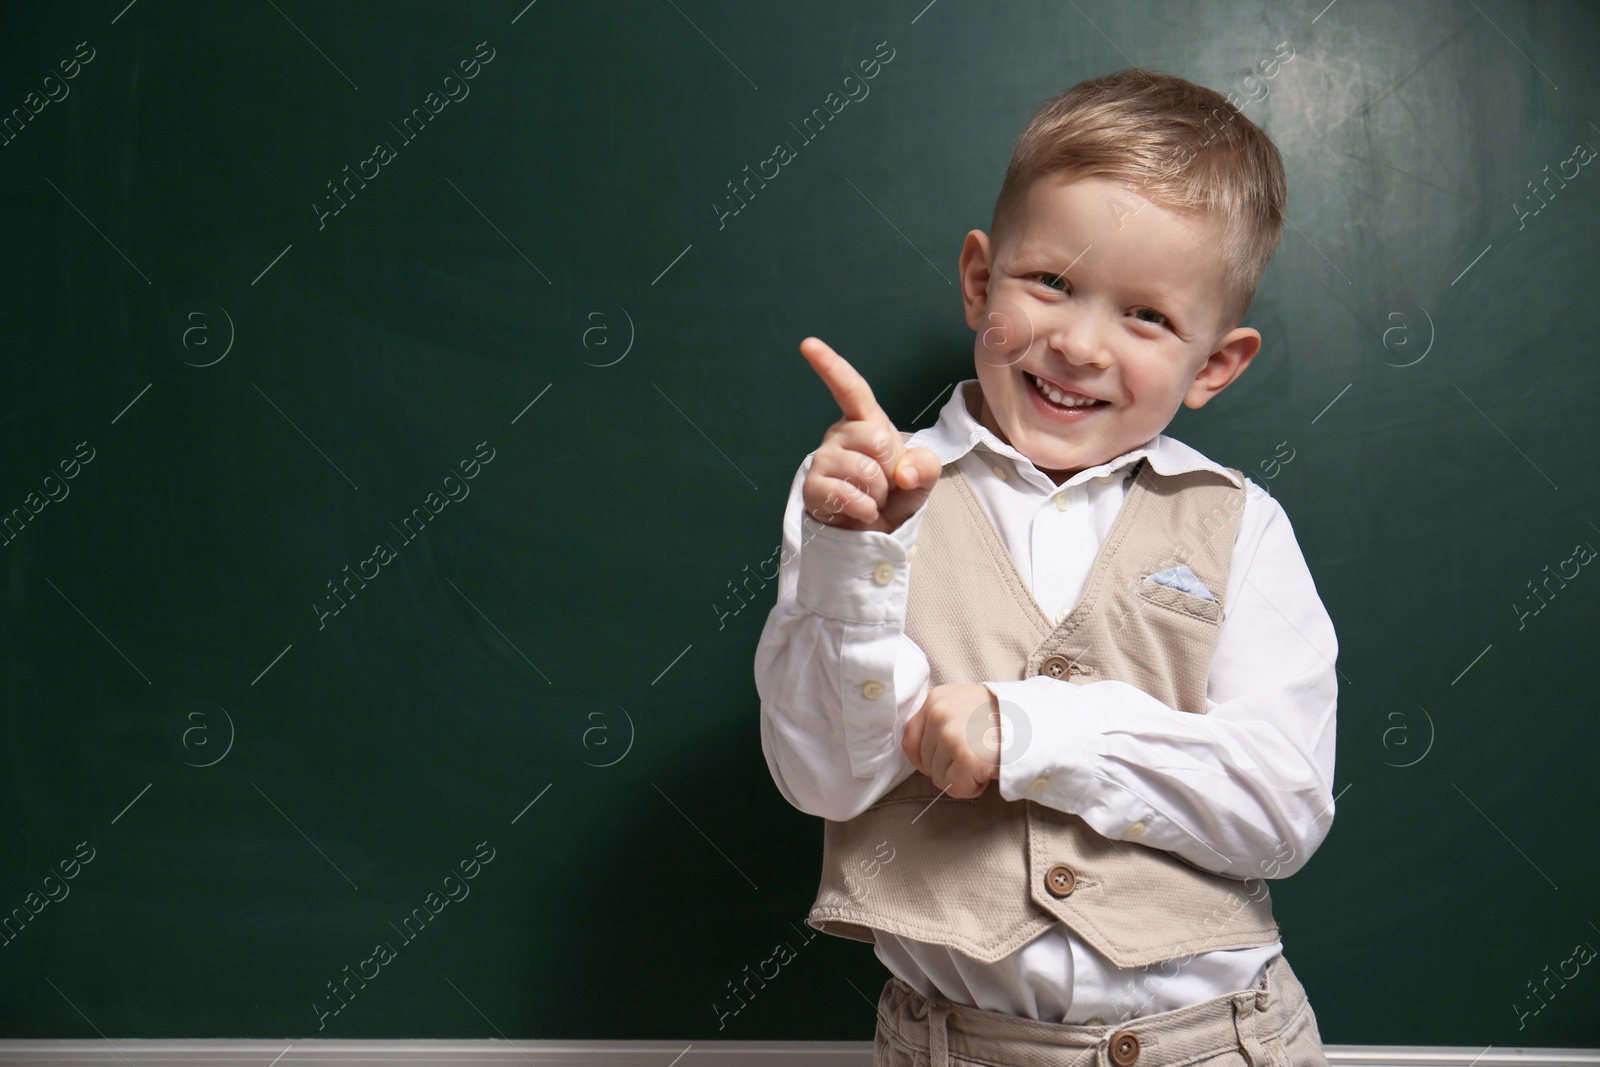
(912, 478)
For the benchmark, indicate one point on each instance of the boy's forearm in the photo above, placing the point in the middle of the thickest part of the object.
(1231, 791)
(833, 669)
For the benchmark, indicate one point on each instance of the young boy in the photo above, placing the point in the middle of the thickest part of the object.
(1119, 633)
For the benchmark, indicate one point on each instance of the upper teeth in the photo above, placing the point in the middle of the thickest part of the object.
(1058, 397)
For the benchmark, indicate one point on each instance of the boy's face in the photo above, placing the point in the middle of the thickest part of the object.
(1111, 298)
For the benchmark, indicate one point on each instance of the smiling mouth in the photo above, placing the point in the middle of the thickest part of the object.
(1055, 397)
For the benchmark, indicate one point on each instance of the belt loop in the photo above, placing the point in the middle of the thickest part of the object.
(1247, 1008)
(1244, 1024)
(938, 1039)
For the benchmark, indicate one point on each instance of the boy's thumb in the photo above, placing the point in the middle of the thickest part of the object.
(920, 467)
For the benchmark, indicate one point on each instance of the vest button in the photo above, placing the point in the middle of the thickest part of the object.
(1059, 881)
(1055, 667)
(1124, 1048)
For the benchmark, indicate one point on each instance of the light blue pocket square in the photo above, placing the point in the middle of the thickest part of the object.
(1183, 579)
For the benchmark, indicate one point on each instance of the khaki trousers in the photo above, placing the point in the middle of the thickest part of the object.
(1270, 1026)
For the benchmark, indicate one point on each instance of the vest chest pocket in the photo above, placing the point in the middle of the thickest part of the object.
(1162, 641)
(1176, 600)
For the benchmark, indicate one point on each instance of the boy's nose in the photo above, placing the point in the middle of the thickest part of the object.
(1077, 335)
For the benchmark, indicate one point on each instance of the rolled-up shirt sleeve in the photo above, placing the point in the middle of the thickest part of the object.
(837, 677)
(1244, 790)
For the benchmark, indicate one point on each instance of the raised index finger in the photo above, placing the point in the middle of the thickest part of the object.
(850, 390)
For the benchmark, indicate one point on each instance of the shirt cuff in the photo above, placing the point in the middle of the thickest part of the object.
(1054, 750)
(1048, 741)
(859, 576)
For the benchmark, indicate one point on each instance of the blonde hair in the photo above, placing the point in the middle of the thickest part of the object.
(1182, 145)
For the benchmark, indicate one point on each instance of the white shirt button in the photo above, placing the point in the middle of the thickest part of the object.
(1106, 479)
(1000, 472)
(872, 690)
(911, 553)
(1061, 616)
(1062, 500)
(883, 573)
(1038, 784)
(1136, 830)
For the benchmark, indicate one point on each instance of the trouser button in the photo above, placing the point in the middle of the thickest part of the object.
(1124, 1048)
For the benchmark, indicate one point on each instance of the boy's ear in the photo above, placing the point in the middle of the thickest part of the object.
(974, 268)
(1234, 352)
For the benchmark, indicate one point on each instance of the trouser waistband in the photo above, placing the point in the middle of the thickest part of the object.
(1251, 1021)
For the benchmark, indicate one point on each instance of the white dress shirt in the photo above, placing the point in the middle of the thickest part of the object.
(1244, 790)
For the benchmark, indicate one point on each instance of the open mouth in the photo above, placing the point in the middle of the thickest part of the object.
(1055, 398)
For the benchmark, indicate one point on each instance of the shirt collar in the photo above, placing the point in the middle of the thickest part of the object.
(958, 432)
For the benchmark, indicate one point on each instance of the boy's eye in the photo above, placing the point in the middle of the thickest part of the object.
(1159, 320)
(1050, 279)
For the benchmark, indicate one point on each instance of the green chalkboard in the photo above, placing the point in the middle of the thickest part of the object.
(396, 396)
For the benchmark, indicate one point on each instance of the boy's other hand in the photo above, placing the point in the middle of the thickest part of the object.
(954, 739)
(862, 476)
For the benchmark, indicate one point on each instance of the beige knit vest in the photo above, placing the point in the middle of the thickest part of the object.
(985, 876)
